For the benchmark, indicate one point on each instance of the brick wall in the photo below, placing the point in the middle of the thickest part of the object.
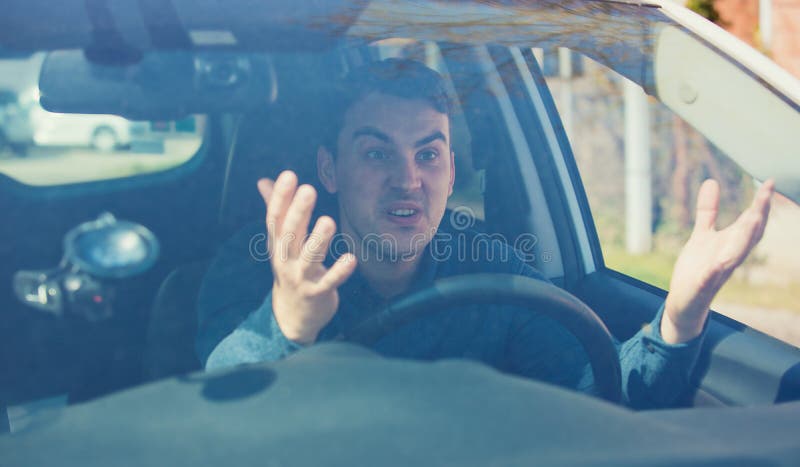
(786, 34)
(740, 17)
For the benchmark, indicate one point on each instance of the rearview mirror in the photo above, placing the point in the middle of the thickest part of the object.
(161, 86)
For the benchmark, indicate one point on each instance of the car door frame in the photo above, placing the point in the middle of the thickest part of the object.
(737, 365)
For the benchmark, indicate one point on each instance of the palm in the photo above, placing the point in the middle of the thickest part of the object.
(304, 291)
(710, 256)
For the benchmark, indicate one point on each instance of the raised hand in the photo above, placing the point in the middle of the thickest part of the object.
(708, 259)
(304, 291)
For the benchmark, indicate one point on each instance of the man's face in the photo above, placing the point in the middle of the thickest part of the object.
(392, 173)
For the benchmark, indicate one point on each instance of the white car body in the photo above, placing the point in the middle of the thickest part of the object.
(103, 132)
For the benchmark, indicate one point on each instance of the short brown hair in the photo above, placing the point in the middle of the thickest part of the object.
(408, 79)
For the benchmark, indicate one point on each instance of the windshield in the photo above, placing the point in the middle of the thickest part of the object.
(567, 144)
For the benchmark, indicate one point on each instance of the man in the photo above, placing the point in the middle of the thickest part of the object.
(390, 166)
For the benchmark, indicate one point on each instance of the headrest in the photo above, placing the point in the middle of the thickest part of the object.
(265, 143)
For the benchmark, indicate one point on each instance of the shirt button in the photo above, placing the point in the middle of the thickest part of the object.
(650, 347)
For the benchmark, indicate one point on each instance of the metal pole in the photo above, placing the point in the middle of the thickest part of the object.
(765, 22)
(638, 188)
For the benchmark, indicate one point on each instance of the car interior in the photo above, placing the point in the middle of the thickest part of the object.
(508, 139)
(503, 142)
(112, 377)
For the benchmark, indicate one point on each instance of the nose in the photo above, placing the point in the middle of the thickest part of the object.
(406, 174)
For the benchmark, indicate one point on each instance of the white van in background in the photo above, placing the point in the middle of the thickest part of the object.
(31, 125)
(102, 132)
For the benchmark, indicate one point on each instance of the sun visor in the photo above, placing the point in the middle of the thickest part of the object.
(160, 85)
(761, 124)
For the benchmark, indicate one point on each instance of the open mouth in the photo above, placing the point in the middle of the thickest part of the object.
(403, 212)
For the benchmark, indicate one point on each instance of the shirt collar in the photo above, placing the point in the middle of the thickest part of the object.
(426, 273)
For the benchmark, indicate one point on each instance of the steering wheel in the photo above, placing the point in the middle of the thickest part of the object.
(506, 289)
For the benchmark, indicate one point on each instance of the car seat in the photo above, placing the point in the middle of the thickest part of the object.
(264, 143)
(169, 348)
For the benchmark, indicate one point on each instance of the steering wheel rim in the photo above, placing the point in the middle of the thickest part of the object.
(506, 289)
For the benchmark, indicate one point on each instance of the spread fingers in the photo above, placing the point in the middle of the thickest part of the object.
(298, 216)
(281, 196)
(341, 270)
(316, 247)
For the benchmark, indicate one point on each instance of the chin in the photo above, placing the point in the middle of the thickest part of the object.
(413, 243)
(396, 244)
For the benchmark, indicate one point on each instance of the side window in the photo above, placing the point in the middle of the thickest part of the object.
(640, 236)
(467, 199)
(43, 148)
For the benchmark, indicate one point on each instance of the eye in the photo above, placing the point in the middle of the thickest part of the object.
(377, 155)
(427, 155)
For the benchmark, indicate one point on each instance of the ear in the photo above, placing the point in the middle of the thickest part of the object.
(452, 172)
(326, 169)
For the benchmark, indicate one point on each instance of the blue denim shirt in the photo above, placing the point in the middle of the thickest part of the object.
(237, 322)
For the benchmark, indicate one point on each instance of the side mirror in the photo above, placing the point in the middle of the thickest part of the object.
(108, 248)
(95, 254)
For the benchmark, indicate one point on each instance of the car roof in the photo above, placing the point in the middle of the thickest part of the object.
(627, 37)
(273, 25)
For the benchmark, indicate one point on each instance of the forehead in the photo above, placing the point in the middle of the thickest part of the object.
(395, 116)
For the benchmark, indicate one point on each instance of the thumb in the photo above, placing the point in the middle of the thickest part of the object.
(707, 206)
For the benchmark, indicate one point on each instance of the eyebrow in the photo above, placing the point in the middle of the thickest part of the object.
(372, 131)
(377, 134)
(431, 138)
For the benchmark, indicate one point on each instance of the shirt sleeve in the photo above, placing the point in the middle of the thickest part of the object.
(258, 338)
(654, 372)
(233, 287)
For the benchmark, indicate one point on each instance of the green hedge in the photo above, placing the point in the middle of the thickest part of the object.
(704, 8)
